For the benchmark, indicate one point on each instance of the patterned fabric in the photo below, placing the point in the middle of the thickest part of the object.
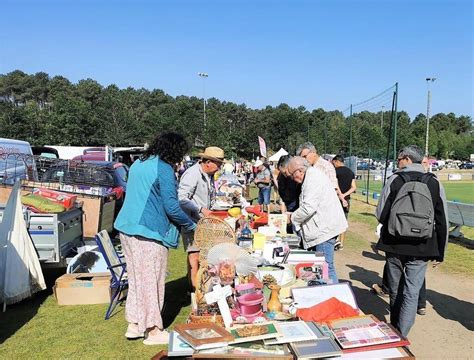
(327, 168)
(146, 267)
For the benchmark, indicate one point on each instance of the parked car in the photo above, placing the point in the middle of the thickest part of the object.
(467, 165)
(16, 161)
(45, 151)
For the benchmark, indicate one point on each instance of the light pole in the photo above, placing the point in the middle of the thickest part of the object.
(381, 119)
(204, 76)
(428, 81)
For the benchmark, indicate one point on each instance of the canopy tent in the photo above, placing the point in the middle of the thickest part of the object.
(20, 269)
(275, 157)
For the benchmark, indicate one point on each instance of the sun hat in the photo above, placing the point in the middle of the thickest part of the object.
(213, 153)
(258, 163)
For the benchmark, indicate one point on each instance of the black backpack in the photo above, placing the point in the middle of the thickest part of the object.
(412, 213)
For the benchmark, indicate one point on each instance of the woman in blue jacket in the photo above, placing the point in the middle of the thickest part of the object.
(148, 224)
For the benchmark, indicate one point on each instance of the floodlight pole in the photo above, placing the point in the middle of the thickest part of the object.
(204, 76)
(381, 119)
(428, 80)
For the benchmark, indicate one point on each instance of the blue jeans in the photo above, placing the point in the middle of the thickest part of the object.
(264, 195)
(405, 277)
(327, 248)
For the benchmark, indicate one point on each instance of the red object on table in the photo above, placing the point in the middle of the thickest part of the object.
(222, 214)
(262, 220)
(254, 209)
(330, 309)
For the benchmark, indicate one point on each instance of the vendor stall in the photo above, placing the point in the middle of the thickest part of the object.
(258, 296)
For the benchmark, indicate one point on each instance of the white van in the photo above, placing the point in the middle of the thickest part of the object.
(16, 161)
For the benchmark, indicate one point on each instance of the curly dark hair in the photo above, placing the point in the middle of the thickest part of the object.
(169, 146)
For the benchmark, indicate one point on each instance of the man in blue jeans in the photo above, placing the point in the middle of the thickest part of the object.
(263, 183)
(407, 257)
(319, 219)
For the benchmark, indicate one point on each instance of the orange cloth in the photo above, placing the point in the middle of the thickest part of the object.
(330, 309)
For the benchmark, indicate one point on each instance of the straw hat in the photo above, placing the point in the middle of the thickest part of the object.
(213, 153)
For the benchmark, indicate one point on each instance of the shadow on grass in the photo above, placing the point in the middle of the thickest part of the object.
(367, 214)
(452, 309)
(462, 241)
(367, 300)
(21, 313)
(373, 256)
(175, 299)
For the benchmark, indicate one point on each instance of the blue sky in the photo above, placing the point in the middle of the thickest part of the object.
(325, 54)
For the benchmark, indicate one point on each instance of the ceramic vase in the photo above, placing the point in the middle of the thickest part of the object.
(274, 304)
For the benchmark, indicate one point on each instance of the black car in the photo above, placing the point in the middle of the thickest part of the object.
(467, 165)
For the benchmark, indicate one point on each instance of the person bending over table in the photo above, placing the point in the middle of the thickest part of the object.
(319, 218)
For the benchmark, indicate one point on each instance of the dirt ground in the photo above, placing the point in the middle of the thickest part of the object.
(447, 329)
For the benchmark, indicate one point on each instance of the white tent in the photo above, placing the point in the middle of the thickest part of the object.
(275, 157)
(20, 269)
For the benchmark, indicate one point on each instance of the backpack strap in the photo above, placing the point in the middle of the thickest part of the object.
(404, 176)
(426, 177)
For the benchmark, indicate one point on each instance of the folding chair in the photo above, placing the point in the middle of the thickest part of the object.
(118, 270)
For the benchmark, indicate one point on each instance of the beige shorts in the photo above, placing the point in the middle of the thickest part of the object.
(188, 242)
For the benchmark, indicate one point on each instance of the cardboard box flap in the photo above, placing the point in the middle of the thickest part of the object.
(83, 279)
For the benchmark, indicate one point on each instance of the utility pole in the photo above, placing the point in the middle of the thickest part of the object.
(428, 80)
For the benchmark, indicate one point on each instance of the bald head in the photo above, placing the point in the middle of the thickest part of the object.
(297, 167)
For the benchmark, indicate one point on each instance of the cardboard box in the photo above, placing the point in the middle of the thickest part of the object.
(83, 288)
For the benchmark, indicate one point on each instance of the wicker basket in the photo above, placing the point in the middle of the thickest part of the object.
(211, 231)
(206, 319)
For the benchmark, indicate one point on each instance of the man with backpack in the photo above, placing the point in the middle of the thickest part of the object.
(412, 211)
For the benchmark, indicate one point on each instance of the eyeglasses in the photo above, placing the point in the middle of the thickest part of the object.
(305, 155)
(292, 175)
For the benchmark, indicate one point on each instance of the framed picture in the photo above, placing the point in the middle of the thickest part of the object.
(201, 335)
(177, 347)
(293, 331)
(278, 221)
(250, 350)
(247, 333)
(313, 295)
(314, 349)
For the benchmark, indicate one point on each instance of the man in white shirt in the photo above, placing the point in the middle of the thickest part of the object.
(319, 218)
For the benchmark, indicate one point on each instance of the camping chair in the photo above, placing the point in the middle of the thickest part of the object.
(118, 270)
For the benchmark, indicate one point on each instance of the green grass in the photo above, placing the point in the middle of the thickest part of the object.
(458, 257)
(38, 328)
(462, 191)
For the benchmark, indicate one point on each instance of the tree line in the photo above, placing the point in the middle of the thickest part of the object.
(52, 110)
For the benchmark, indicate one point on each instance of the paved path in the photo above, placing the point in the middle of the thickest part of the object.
(446, 331)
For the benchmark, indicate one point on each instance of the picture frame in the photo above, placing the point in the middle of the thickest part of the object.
(309, 296)
(202, 335)
(272, 330)
(315, 349)
(278, 221)
(294, 331)
(178, 347)
(250, 350)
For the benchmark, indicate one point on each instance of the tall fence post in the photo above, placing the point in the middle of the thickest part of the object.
(350, 132)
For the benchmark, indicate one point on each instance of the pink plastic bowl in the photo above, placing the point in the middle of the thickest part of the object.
(250, 303)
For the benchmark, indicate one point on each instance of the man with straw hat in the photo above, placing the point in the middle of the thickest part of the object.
(196, 192)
